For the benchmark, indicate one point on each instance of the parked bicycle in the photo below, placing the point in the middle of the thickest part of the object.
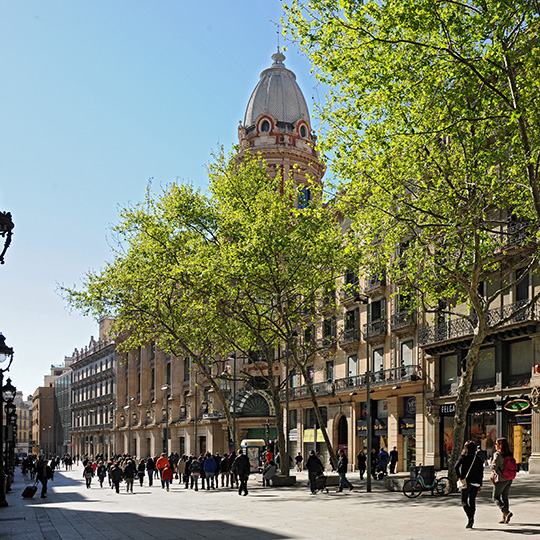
(415, 486)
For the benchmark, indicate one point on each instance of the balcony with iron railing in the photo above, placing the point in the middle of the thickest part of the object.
(464, 327)
(350, 336)
(374, 283)
(391, 376)
(402, 320)
(374, 329)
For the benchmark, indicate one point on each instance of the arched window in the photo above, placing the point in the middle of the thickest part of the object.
(265, 126)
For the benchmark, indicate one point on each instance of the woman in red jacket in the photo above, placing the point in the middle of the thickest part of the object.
(167, 476)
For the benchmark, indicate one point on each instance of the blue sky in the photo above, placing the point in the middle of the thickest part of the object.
(97, 98)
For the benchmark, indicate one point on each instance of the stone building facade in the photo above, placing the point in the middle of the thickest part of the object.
(93, 400)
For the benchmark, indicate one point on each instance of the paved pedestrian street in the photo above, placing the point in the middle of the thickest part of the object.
(73, 512)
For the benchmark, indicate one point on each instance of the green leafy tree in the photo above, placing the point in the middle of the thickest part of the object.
(278, 258)
(432, 121)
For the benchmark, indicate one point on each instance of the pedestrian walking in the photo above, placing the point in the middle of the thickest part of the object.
(394, 456)
(44, 473)
(181, 469)
(504, 469)
(161, 463)
(195, 469)
(242, 468)
(150, 469)
(101, 472)
(342, 471)
(361, 462)
(314, 467)
(141, 471)
(210, 467)
(167, 476)
(129, 475)
(298, 461)
(88, 474)
(116, 476)
(470, 470)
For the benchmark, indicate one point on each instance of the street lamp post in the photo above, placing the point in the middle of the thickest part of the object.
(6, 355)
(9, 395)
(364, 299)
(127, 408)
(165, 410)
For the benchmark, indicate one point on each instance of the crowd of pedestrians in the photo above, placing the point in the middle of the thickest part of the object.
(214, 471)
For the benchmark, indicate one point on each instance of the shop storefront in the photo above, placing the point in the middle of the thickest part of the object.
(518, 413)
(407, 429)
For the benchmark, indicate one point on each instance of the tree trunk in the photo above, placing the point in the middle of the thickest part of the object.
(463, 399)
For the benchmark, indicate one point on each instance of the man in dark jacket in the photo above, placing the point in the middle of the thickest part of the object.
(242, 468)
(116, 476)
(342, 471)
(44, 473)
(314, 468)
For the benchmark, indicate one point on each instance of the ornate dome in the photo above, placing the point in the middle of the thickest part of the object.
(278, 95)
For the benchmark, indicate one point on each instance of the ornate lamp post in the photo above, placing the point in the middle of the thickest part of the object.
(6, 226)
(6, 357)
(9, 395)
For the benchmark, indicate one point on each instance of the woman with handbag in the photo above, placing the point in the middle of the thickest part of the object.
(501, 482)
(469, 471)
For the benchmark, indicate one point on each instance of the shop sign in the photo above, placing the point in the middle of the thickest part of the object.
(517, 405)
(293, 434)
(361, 428)
(448, 409)
(407, 426)
(380, 427)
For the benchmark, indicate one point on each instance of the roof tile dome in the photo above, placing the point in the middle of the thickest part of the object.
(278, 95)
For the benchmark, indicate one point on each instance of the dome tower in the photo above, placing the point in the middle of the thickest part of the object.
(278, 126)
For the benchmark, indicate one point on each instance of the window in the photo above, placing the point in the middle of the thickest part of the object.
(485, 365)
(378, 359)
(352, 324)
(293, 418)
(152, 379)
(265, 126)
(304, 197)
(329, 331)
(351, 283)
(303, 131)
(449, 371)
(330, 370)
(352, 365)
(294, 379)
(522, 285)
(309, 333)
(186, 368)
(521, 357)
(311, 417)
(377, 310)
(168, 373)
(407, 353)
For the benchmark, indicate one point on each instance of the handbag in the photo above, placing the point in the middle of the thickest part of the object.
(492, 478)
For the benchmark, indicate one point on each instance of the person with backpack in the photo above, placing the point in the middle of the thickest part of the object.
(504, 469)
(470, 469)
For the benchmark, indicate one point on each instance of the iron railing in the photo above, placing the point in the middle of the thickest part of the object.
(392, 376)
(465, 326)
(376, 328)
(403, 319)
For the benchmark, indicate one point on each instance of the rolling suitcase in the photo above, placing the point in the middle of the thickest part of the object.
(29, 491)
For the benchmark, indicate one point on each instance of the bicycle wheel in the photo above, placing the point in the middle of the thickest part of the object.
(412, 488)
(443, 486)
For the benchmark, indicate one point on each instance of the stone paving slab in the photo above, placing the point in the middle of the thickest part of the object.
(72, 512)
